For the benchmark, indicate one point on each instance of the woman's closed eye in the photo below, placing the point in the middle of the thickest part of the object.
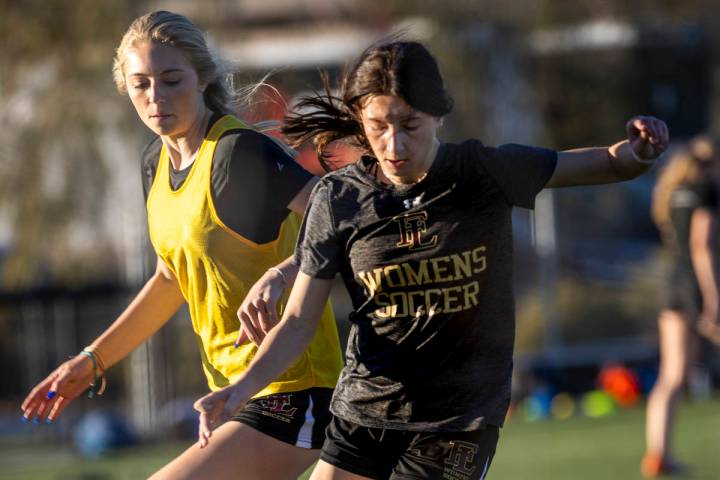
(145, 84)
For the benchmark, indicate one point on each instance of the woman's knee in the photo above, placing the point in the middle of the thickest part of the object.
(668, 385)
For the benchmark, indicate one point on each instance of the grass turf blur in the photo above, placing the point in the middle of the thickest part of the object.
(579, 447)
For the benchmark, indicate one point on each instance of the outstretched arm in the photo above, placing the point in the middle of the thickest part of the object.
(153, 306)
(283, 344)
(647, 138)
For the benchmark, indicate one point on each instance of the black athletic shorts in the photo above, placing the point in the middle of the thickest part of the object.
(683, 295)
(399, 454)
(298, 418)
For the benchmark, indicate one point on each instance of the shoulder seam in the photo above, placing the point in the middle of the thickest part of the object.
(478, 146)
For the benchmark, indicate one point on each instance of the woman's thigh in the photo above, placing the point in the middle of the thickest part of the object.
(326, 471)
(239, 451)
(677, 346)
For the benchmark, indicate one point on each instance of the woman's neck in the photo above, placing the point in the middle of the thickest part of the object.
(184, 148)
(399, 181)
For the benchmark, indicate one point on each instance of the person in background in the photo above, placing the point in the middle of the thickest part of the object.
(420, 231)
(685, 209)
(224, 204)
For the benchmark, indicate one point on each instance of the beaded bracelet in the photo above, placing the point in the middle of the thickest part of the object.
(97, 387)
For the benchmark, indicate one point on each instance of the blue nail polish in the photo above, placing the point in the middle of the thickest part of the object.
(237, 344)
(36, 421)
(24, 419)
(51, 394)
(48, 421)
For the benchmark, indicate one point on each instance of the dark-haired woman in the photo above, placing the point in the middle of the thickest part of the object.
(223, 203)
(421, 233)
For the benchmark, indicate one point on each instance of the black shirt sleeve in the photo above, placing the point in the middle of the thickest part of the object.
(318, 251)
(520, 171)
(254, 178)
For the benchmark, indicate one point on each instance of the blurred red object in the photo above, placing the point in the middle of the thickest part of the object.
(621, 383)
(340, 154)
(270, 104)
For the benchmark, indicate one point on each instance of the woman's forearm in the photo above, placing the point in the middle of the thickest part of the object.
(278, 350)
(706, 280)
(625, 163)
(702, 227)
(287, 271)
(621, 161)
(289, 338)
(151, 308)
(596, 165)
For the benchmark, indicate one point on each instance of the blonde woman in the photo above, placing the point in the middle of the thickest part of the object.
(685, 203)
(223, 206)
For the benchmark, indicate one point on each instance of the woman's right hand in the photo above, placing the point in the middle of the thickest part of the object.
(708, 326)
(50, 397)
(216, 408)
(151, 308)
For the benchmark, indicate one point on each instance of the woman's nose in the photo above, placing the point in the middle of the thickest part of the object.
(396, 145)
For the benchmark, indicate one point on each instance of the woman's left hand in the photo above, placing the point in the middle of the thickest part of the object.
(648, 136)
(217, 408)
(258, 311)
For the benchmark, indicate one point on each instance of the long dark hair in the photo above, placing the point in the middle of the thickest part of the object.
(401, 68)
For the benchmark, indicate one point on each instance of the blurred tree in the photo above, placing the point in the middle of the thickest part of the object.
(57, 100)
(59, 108)
(552, 13)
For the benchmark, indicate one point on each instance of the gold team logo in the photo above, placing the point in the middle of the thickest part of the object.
(446, 283)
(412, 227)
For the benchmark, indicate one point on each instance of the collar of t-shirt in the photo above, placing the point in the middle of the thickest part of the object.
(177, 177)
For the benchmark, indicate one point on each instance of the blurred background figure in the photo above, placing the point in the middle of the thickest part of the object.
(685, 209)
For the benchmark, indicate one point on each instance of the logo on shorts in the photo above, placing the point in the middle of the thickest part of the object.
(460, 461)
(278, 406)
(412, 227)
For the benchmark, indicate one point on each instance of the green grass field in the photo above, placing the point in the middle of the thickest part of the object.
(578, 449)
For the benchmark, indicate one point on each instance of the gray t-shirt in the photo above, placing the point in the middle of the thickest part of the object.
(429, 272)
